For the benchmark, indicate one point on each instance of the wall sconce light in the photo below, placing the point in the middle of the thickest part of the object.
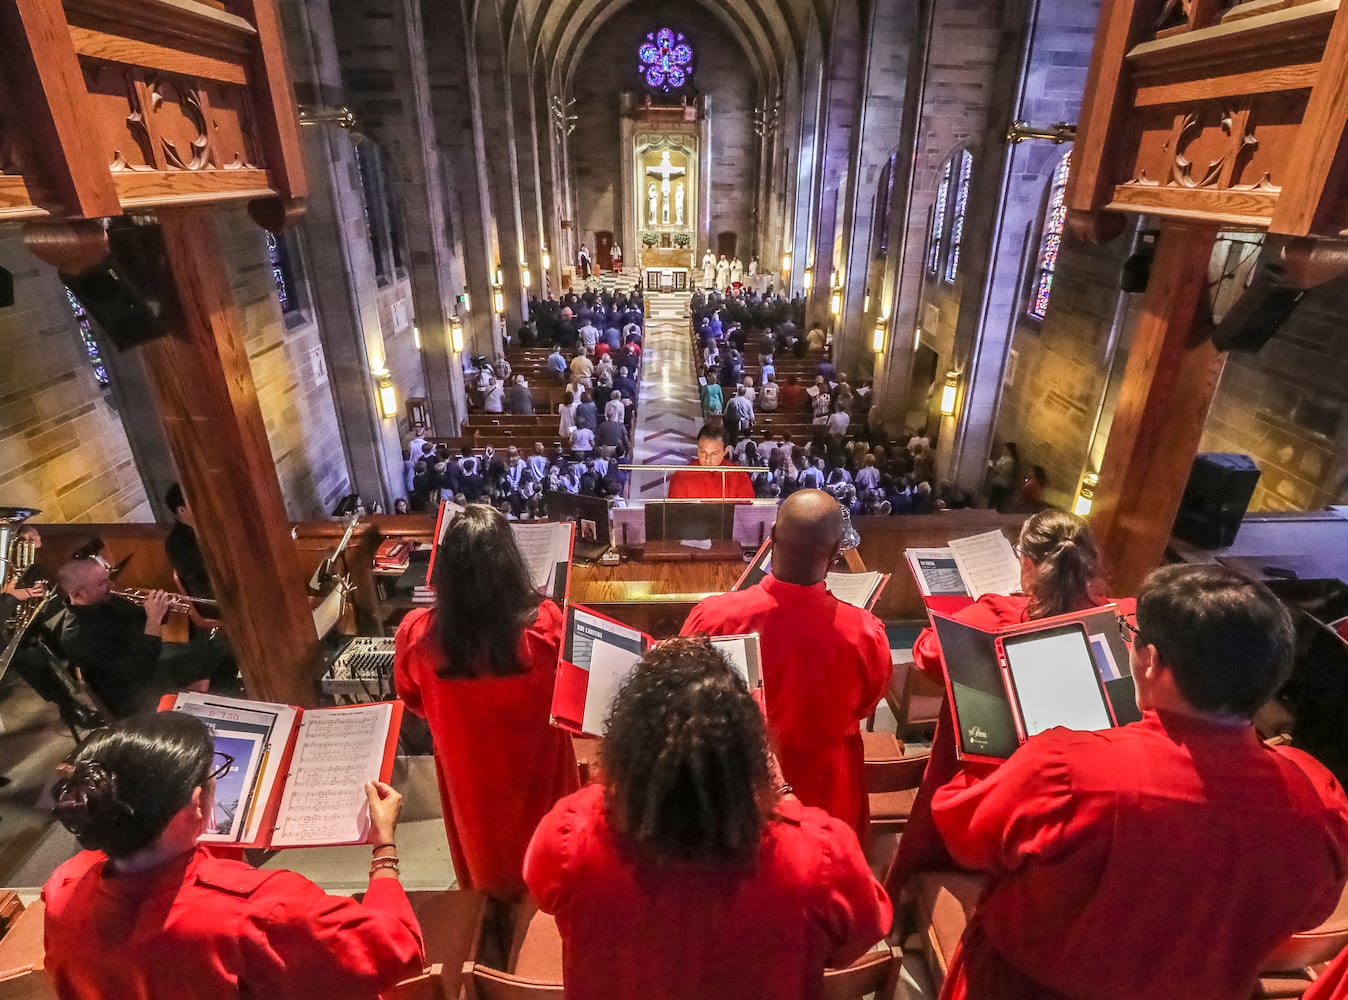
(416, 337)
(388, 396)
(835, 303)
(866, 303)
(500, 276)
(948, 393)
(498, 300)
(547, 259)
(456, 334)
(786, 262)
(807, 279)
(526, 279)
(1086, 495)
(878, 338)
(833, 281)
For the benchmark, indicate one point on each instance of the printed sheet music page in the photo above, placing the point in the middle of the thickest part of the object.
(336, 753)
(987, 564)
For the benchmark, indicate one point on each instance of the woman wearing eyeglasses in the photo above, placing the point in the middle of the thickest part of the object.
(1060, 572)
(146, 912)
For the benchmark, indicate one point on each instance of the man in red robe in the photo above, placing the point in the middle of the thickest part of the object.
(826, 664)
(711, 453)
(1162, 859)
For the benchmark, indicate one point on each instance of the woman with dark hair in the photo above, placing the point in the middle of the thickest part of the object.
(687, 872)
(480, 668)
(1060, 572)
(145, 912)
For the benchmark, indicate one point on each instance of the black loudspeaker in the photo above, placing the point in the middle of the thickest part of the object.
(1137, 268)
(6, 289)
(126, 292)
(1215, 500)
(1256, 316)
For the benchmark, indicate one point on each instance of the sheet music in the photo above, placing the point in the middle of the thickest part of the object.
(936, 572)
(336, 753)
(744, 655)
(542, 546)
(448, 512)
(856, 589)
(987, 564)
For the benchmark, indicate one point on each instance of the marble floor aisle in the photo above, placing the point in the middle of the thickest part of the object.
(668, 414)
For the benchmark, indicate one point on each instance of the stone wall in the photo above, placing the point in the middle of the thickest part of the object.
(1285, 407)
(62, 446)
(290, 372)
(721, 73)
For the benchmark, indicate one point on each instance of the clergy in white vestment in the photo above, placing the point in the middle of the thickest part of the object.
(736, 271)
(708, 269)
(722, 273)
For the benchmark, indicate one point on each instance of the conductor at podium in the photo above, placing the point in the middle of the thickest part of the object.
(694, 484)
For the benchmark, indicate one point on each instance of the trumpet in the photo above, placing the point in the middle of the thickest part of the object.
(177, 602)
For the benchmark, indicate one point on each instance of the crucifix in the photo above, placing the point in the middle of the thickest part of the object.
(665, 171)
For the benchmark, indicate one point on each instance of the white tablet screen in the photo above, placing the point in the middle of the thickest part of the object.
(1055, 681)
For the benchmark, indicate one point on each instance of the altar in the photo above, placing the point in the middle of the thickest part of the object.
(666, 157)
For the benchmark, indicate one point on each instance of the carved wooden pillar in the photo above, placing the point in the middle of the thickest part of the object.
(203, 389)
(1168, 386)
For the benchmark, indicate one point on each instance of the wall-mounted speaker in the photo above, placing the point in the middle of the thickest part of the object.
(129, 292)
(6, 289)
(1137, 268)
(1256, 316)
(1215, 499)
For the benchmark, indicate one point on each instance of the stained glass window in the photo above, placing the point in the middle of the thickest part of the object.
(938, 221)
(86, 328)
(665, 60)
(952, 260)
(1051, 241)
(279, 259)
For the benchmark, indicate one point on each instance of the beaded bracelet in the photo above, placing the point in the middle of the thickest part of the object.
(378, 864)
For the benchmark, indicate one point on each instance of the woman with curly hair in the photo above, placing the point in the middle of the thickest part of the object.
(689, 872)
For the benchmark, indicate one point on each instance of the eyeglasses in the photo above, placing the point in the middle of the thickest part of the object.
(220, 766)
(1130, 632)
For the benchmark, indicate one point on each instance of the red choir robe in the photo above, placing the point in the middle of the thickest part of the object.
(696, 484)
(1163, 859)
(921, 847)
(826, 665)
(500, 764)
(213, 929)
(1332, 984)
(693, 931)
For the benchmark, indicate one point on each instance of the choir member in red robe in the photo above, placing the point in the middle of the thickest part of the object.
(480, 668)
(826, 664)
(688, 874)
(1332, 984)
(146, 913)
(711, 453)
(1165, 858)
(1060, 572)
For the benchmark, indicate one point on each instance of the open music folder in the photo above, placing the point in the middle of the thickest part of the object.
(599, 654)
(298, 776)
(860, 590)
(1009, 684)
(545, 545)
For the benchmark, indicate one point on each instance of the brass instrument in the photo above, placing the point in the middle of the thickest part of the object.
(17, 556)
(181, 603)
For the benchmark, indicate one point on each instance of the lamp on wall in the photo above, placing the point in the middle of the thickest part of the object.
(456, 334)
(416, 337)
(948, 393)
(388, 396)
(786, 262)
(835, 302)
(500, 276)
(833, 279)
(1086, 494)
(878, 337)
(866, 302)
(526, 279)
(498, 300)
(807, 279)
(547, 259)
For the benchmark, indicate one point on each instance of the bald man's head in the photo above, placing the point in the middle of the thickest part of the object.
(807, 537)
(85, 581)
